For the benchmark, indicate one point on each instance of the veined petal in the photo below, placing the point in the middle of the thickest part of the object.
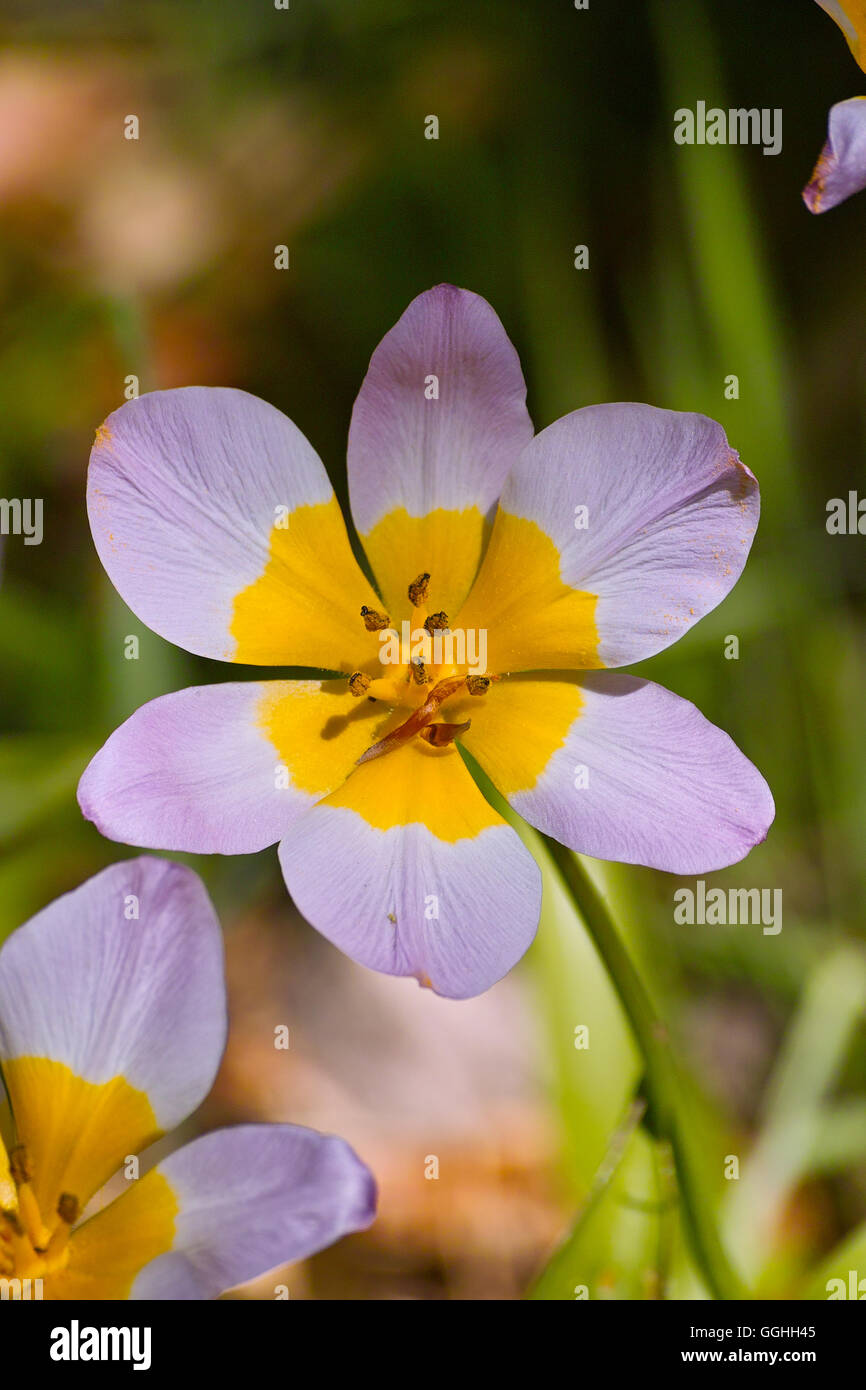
(217, 524)
(850, 15)
(841, 167)
(432, 882)
(218, 1212)
(112, 1021)
(618, 529)
(439, 420)
(622, 769)
(225, 769)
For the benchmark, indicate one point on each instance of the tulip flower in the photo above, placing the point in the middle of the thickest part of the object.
(592, 545)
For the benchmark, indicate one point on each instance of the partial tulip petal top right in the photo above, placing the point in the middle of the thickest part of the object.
(841, 167)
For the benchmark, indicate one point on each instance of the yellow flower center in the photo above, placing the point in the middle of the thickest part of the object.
(30, 1247)
(426, 665)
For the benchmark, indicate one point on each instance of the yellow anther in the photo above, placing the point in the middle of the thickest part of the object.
(359, 683)
(437, 622)
(419, 672)
(418, 590)
(374, 621)
(20, 1166)
(68, 1209)
(478, 685)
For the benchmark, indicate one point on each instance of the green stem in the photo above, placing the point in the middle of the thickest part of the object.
(663, 1083)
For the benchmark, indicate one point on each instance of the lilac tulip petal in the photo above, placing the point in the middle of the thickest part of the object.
(637, 774)
(841, 167)
(455, 905)
(670, 516)
(222, 769)
(249, 1199)
(215, 521)
(411, 456)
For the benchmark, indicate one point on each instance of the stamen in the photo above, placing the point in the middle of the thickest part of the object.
(68, 1209)
(359, 683)
(478, 685)
(20, 1166)
(437, 622)
(28, 1208)
(440, 735)
(417, 721)
(418, 590)
(419, 672)
(374, 621)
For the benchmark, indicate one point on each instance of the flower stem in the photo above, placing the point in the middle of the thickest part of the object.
(663, 1083)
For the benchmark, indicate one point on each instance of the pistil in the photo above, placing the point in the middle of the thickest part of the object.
(417, 720)
(440, 735)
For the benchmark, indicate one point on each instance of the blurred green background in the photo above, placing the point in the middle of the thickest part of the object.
(155, 258)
